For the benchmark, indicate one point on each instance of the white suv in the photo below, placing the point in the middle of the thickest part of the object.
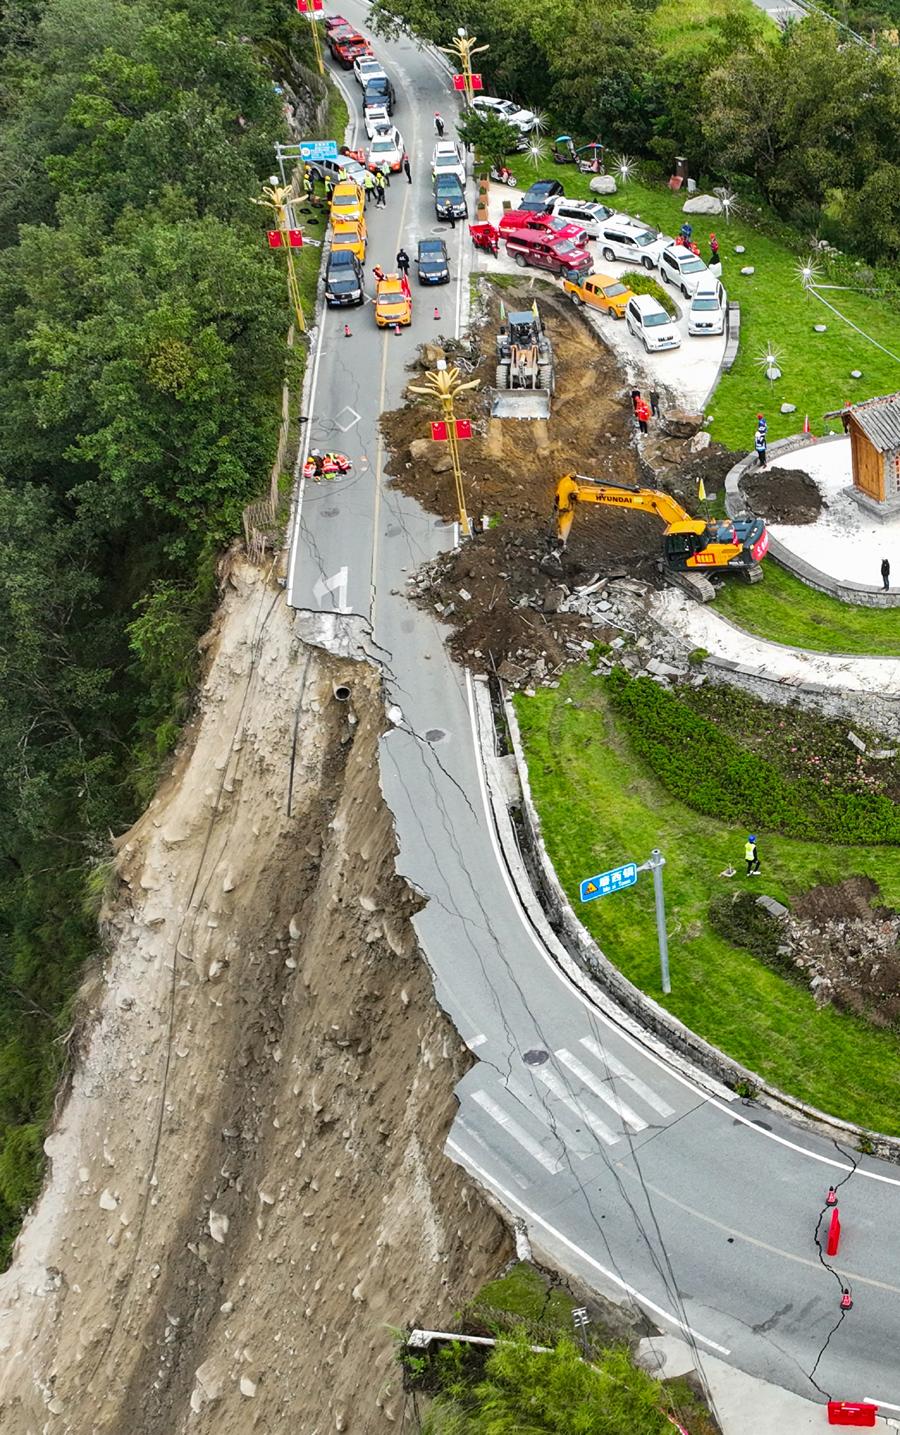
(522, 120)
(446, 159)
(681, 266)
(708, 307)
(588, 216)
(366, 68)
(649, 322)
(631, 241)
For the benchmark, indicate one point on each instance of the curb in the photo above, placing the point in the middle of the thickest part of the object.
(592, 971)
(861, 595)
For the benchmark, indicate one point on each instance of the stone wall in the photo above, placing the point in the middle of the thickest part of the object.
(879, 712)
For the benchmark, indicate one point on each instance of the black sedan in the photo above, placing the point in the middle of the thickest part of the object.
(432, 263)
(343, 280)
(539, 196)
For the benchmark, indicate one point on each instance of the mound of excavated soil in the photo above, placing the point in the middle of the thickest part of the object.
(783, 495)
(848, 948)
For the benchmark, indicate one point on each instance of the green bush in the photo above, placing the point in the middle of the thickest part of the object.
(641, 283)
(737, 918)
(708, 770)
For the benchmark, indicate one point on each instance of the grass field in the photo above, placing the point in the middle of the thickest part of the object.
(686, 27)
(786, 611)
(599, 806)
(774, 310)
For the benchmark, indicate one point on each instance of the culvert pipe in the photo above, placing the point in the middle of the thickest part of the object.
(341, 692)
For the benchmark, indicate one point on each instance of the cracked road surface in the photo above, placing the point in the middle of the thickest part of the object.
(698, 1205)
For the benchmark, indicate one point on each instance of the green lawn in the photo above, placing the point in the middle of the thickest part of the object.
(774, 310)
(599, 807)
(683, 27)
(787, 611)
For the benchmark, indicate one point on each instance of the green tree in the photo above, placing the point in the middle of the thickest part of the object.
(491, 137)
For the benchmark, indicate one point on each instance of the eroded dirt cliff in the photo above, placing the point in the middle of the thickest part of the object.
(247, 1187)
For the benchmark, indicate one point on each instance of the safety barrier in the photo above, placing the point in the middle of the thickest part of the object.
(834, 1233)
(847, 1412)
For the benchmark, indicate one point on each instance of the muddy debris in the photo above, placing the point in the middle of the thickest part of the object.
(783, 495)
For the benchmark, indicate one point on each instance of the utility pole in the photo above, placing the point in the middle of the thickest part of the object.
(445, 384)
(462, 49)
(655, 863)
(310, 8)
(277, 197)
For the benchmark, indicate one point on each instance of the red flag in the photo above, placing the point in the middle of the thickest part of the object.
(439, 432)
(295, 238)
(463, 428)
(274, 238)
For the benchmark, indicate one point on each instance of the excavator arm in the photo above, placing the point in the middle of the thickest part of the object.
(577, 488)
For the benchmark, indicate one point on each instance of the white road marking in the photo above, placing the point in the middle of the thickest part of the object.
(599, 1088)
(537, 1220)
(476, 1041)
(338, 582)
(568, 1139)
(882, 1404)
(479, 1140)
(554, 1082)
(619, 1069)
(517, 1132)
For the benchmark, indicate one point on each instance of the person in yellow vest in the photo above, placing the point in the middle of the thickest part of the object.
(751, 857)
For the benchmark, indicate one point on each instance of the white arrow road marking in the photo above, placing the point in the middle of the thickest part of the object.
(336, 583)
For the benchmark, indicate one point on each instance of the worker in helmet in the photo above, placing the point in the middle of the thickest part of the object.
(751, 856)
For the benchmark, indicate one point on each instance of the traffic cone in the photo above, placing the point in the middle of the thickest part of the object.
(396, 328)
(806, 424)
(436, 312)
(347, 332)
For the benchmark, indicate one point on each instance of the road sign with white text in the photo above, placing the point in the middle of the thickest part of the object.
(318, 149)
(605, 882)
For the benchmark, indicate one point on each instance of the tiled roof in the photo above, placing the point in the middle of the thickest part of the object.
(879, 420)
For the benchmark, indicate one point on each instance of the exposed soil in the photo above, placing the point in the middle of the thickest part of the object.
(783, 495)
(247, 1185)
(511, 469)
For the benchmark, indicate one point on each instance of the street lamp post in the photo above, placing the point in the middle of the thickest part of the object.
(277, 197)
(445, 384)
(462, 49)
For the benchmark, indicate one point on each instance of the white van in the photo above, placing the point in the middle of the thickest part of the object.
(708, 307)
(681, 266)
(649, 322)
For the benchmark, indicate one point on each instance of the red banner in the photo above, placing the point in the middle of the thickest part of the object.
(439, 432)
(463, 428)
(295, 238)
(307, 7)
(274, 238)
(846, 1412)
(459, 82)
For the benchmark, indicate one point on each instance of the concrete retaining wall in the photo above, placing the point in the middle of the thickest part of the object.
(878, 711)
(859, 594)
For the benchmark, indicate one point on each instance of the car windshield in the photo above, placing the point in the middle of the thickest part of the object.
(705, 303)
(563, 246)
(345, 201)
(611, 290)
(645, 237)
(382, 146)
(343, 279)
(692, 266)
(448, 184)
(653, 321)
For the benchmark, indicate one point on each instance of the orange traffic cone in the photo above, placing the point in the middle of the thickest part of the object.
(347, 332)
(436, 312)
(396, 328)
(807, 430)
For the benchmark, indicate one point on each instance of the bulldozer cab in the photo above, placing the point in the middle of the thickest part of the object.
(522, 327)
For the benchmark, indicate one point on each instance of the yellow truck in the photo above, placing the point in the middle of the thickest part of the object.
(600, 291)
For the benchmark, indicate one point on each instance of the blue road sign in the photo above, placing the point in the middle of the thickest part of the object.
(606, 882)
(318, 149)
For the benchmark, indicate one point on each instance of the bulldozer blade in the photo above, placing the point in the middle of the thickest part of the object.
(521, 404)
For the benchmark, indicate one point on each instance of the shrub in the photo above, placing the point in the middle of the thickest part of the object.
(641, 283)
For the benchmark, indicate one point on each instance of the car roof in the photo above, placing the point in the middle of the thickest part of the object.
(646, 304)
(708, 283)
(604, 279)
(432, 244)
(391, 284)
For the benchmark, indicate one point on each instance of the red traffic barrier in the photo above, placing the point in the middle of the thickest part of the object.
(834, 1233)
(849, 1412)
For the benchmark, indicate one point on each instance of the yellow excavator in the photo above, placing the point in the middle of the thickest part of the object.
(690, 545)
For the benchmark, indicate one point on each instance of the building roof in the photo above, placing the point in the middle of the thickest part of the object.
(879, 420)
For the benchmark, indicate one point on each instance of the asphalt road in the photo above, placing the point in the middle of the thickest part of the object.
(700, 1207)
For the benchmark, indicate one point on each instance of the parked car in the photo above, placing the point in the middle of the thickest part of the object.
(335, 22)
(648, 320)
(600, 291)
(350, 235)
(681, 266)
(379, 91)
(376, 117)
(386, 148)
(709, 306)
(365, 68)
(447, 159)
(513, 219)
(539, 195)
(393, 304)
(542, 249)
(449, 197)
(348, 201)
(432, 264)
(588, 216)
(346, 48)
(522, 120)
(632, 242)
(343, 279)
(334, 168)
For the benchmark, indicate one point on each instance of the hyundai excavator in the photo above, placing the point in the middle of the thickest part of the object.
(691, 546)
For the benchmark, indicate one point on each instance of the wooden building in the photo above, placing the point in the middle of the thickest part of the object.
(874, 429)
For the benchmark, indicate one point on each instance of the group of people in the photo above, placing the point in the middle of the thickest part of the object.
(686, 239)
(644, 410)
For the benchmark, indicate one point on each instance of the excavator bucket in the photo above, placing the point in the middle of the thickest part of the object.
(520, 404)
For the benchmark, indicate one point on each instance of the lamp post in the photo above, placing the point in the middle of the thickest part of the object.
(277, 197)
(445, 384)
(310, 8)
(463, 48)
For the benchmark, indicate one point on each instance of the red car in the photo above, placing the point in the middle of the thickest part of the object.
(518, 219)
(336, 22)
(345, 48)
(542, 249)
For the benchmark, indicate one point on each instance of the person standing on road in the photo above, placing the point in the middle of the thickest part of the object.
(380, 202)
(406, 169)
(642, 414)
(654, 403)
(369, 185)
(759, 443)
(386, 173)
(403, 262)
(438, 125)
(885, 573)
(751, 856)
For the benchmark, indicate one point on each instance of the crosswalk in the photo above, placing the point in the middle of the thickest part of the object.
(566, 1109)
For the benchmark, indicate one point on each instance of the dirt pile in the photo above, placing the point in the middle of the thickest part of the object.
(247, 1186)
(783, 495)
(501, 607)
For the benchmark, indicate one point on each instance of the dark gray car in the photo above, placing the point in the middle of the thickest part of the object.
(432, 264)
(343, 280)
(449, 197)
